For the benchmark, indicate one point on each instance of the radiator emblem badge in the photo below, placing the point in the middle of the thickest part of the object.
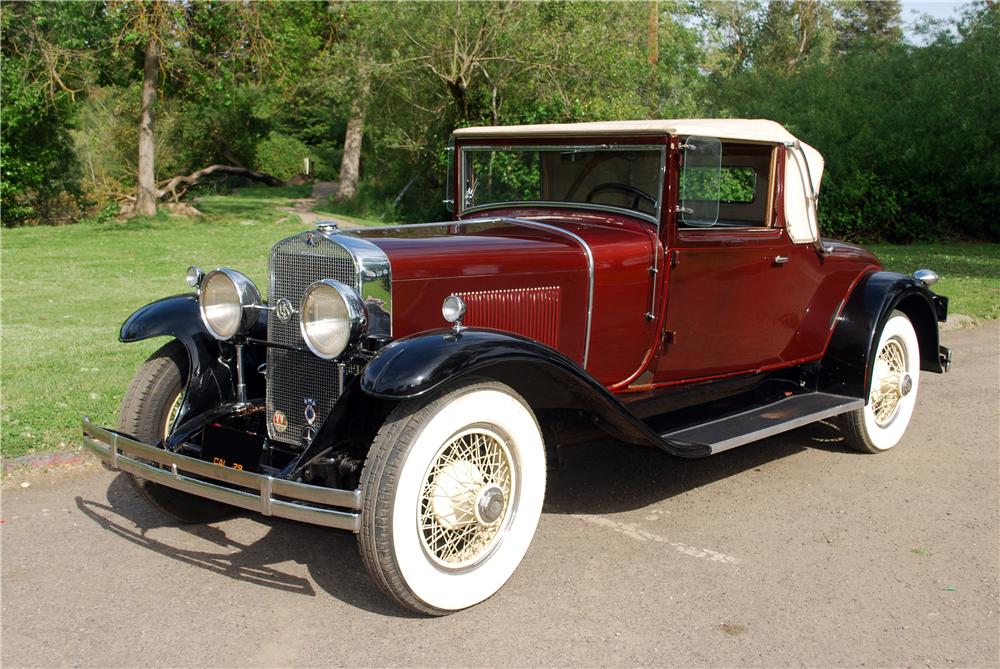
(283, 309)
(310, 410)
(280, 422)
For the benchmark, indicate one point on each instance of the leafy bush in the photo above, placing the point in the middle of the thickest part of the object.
(281, 156)
(860, 206)
(39, 173)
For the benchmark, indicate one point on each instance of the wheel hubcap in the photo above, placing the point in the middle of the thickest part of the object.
(890, 383)
(491, 504)
(466, 499)
(905, 385)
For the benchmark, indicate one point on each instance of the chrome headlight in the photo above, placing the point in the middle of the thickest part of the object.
(229, 303)
(332, 315)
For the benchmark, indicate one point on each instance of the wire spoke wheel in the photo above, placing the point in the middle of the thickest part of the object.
(452, 491)
(895, 375)
(888, 382)
(466, 497)
(172, 413)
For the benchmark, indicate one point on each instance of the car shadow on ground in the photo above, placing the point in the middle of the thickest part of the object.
(331, 556)
(612, 477)
(605, 477)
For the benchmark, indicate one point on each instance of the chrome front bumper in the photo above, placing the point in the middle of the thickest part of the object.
(298, 501)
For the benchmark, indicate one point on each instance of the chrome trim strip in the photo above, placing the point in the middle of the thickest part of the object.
(374, 273)
(265, 495)
(98, 439)
(582, 206)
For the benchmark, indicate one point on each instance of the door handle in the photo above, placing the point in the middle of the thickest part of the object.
(780, 260)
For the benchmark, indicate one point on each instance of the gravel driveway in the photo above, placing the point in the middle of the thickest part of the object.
(792, 551)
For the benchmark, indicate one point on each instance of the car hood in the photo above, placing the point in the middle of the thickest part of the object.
(477, 248)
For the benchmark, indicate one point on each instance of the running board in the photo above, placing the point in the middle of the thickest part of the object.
(766, 421)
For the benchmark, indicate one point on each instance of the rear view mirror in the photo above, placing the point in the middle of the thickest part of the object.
(701, 182)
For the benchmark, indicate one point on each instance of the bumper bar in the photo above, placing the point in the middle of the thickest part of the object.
(302, 502)
(944, 357)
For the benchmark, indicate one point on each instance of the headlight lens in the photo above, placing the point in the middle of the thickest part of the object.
(228, 302)
(332, 315)
(453, 308)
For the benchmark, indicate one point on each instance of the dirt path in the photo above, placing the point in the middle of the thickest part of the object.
(303, 208)
(790, 552)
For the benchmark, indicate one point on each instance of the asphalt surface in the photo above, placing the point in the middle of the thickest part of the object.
(793, 551)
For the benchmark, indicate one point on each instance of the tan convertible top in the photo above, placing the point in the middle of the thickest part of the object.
(803, 167)
(757, 130)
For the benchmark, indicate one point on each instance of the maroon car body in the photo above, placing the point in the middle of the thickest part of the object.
(660, 282)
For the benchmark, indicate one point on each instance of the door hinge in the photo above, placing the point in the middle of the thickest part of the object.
(675, 258)
(669, 337)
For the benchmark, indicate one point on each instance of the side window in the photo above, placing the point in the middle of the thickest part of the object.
(737, 187)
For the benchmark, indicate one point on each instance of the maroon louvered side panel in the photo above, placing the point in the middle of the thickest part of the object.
(531, 312)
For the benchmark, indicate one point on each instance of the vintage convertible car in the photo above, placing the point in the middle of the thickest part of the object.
(661, 282)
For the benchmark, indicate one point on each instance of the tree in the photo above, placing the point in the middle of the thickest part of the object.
(350, 164)
(46, 64)
(873, 24)
(174, 39)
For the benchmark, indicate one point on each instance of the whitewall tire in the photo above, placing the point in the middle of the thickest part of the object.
(880, 424)
(452, 491)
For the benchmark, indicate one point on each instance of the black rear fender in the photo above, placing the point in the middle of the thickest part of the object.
(847, 364)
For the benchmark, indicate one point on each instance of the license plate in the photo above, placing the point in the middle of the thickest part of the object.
(233, 448)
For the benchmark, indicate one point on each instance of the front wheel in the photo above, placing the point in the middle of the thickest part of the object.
(148, 411)
(452, 491)
(880, 424)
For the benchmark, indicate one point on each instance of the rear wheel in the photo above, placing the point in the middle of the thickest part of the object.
(452, 492)
(148, 411)
(880, 424)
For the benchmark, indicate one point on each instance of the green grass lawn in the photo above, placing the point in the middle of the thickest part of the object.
(66, 291)
(970, 273)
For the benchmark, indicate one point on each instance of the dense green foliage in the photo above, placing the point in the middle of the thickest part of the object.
(909, 131)
(910, 136)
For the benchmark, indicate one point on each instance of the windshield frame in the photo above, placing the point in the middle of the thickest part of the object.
(655, 218)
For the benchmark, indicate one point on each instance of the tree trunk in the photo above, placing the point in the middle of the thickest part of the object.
(170, 186)
(653, 33)
(350, 163)
(146, 197)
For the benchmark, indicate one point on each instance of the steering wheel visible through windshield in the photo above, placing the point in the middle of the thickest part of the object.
(620, 177)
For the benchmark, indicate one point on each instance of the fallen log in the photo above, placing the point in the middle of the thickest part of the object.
(169, 187)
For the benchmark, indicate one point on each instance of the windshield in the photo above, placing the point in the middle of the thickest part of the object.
(620, 177)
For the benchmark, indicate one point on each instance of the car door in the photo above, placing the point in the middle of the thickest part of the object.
(736, 292)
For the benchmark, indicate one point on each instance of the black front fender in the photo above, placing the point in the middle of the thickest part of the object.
(414, 366)
(847, 364)
(210, 377)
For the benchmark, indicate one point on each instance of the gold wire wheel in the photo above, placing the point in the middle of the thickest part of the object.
(890, 383)
(466, 499)
(175, 408)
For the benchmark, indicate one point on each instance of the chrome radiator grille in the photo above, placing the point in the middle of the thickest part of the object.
(296, 377)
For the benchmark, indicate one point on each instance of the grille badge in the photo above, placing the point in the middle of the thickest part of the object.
(283, 309)
(310, 412)
(280, 422)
